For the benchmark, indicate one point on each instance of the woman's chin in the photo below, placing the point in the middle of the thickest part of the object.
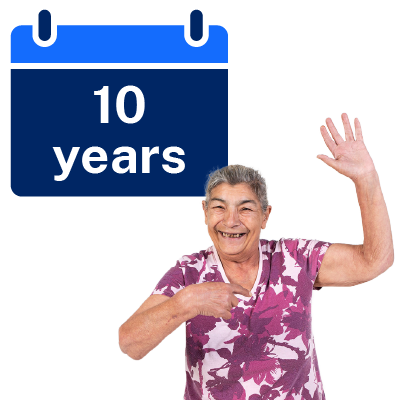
(231, 248)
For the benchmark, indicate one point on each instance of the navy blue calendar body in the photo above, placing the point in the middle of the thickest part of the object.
(56, 112)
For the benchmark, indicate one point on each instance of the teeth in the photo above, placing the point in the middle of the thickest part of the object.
(231, 235)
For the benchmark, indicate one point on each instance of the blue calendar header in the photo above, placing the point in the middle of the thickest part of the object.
(119, 44)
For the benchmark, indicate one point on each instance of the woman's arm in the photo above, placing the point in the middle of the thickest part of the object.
(344, 264)
(160, 315)
(156, 318)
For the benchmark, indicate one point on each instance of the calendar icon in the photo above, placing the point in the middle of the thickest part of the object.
(118, 110)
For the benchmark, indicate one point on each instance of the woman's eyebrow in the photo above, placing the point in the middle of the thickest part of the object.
(247, 201)
(239, 204)
(217, 199)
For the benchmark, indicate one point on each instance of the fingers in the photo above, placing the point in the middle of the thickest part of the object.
(234, 301)
(226, 315)
(327, 139)
(347, 127)
(335, 134)
(357, 127)
(240, 290)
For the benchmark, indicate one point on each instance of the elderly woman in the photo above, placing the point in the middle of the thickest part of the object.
(247, 302)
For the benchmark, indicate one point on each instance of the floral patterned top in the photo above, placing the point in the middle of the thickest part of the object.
(266, 350)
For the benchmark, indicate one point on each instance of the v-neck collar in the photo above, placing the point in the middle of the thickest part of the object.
(226, 280)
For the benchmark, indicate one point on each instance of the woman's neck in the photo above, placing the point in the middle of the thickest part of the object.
(240, 265)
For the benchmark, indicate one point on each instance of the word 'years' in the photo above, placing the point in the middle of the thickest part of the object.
(125, 154)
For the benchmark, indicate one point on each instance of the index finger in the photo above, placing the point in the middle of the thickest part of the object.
(240, 290)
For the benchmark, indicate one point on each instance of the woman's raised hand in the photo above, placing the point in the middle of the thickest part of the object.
(351, 157)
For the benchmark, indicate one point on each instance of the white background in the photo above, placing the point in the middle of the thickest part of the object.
(74, 269)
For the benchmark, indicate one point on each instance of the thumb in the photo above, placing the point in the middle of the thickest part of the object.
(327, 160)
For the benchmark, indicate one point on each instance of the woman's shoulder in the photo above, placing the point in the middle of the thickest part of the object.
(198, 267)
(196, 258)
(279, 245)
(293, 246)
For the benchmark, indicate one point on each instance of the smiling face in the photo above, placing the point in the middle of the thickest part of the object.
(235, 218)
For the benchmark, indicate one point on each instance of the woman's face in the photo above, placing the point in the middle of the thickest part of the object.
(235, 218)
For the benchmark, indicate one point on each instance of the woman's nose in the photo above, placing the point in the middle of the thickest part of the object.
(231, 218)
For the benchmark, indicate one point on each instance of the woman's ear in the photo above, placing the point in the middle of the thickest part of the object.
(205, 211)
(266, 216)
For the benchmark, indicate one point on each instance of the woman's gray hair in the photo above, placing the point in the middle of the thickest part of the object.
(235, 174)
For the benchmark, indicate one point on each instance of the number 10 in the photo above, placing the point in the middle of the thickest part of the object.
(103, 93)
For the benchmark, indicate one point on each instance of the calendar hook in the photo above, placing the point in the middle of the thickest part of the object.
(196, 25)
(196, 29)
(44, 30)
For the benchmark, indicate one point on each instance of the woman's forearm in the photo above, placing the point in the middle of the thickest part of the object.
(378, 243)
(144, 331)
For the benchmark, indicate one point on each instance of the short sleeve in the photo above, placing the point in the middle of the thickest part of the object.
(172, 282)
(315, 252)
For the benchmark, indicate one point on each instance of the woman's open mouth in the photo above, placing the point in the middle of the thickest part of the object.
(231, 235)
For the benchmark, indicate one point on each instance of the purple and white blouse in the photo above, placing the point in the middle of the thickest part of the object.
(266, 350)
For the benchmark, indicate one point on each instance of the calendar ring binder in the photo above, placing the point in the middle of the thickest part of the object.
(196, 25)
(44, 29)
(43, 33)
